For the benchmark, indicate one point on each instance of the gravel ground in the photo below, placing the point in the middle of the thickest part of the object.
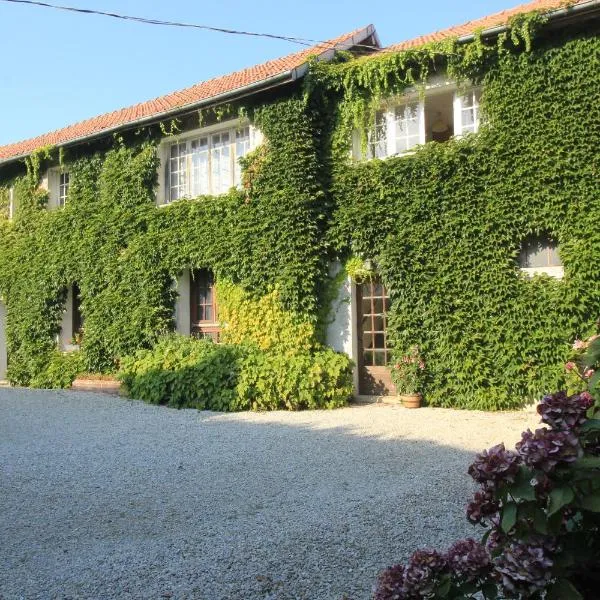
(102, 497)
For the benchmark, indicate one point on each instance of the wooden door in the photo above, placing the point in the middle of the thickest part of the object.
(373, 350)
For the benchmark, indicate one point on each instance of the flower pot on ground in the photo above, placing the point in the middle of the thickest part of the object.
(411, 400)
(407, 374)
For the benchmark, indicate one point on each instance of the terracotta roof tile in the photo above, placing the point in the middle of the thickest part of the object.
(179, 99)
(495, 20)
(234, 81)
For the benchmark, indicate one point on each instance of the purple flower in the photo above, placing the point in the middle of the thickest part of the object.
(564, 412)
(494, 466)
(390, 584)
(542, 484)
(524, 569)
(495, 541)
(545, 448)
(483, 505)
(423, 572)
(468, 560)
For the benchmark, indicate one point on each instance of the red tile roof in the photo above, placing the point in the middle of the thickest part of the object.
(207, 90)
(496, 20)
(181, 99)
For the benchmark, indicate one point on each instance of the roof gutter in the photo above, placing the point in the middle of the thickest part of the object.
(263, 85)
(555, 14)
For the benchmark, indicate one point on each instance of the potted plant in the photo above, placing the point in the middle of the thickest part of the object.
(407, 373)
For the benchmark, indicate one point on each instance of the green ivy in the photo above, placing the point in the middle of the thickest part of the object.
(444, 226)
(125, 253)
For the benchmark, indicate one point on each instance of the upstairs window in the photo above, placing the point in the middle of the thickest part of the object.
(440, 115)
(206, 164)
(539, 254)
(57, 183)
(466, 112)
(63, 189)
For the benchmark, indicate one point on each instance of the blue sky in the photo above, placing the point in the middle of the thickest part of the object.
(59, 68)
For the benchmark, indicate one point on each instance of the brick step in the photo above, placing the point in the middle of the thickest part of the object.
(105, 386)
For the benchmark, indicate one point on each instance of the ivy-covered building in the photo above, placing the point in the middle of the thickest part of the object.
(442, 192)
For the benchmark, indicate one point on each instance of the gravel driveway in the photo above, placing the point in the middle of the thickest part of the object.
(108, 498)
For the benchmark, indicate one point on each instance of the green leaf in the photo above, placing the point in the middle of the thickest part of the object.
(522, 489)
(559, 497)
(591, 425)
(563, 589)
(591, 502)
(587, 462)
(509, 517)
(540, 523)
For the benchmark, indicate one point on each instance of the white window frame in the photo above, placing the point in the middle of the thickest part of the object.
(459, 109)
(11, 203)
(556, 271)
(52, 183)
(435, 86)
(390, 133)
(233, 127)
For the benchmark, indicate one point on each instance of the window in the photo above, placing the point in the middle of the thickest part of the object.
(63, 189)
(466, 108)
(396, 131)
(377, 137)
(206, 164)
(539, 254)
(440, 115)
(375, 303)
(77, 317)
(203, 305)
(407, 127)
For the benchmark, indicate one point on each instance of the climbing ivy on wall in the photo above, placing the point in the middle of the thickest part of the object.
(125, 253)
(444, 225)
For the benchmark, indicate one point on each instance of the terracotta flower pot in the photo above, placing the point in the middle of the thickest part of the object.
(411, 400)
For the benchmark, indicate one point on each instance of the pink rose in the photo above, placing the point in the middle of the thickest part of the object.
(579, 345)
(570, 366)
(588, 373)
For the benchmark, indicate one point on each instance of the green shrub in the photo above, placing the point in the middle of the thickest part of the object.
(269, 380)
(186, 372)
(61, 370)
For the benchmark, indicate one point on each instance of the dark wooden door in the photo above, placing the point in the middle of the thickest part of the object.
(374, 353)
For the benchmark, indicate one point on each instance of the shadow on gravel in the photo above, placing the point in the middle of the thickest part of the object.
(108, 498)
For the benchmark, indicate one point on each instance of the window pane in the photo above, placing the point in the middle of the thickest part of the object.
(379, 359)
(539, 251)
(220, 163)
(407, 125)
(378, 306)
(199, 183)
(378, 323)
(368, 359)
(242, 147)
(377, 137)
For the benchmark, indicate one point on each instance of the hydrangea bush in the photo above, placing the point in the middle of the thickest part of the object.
(539, 506)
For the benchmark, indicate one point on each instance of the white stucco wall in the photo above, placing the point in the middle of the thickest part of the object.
(3, 352)
(342, 327)
(182, 304)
